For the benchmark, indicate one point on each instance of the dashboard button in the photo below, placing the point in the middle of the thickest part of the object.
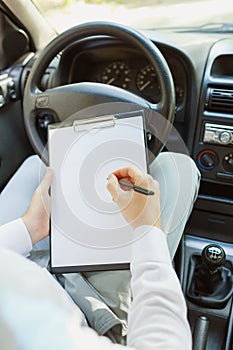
(207, 159)
(228, 162)
(225, 137)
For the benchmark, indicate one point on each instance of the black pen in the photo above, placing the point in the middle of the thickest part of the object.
(136, 188)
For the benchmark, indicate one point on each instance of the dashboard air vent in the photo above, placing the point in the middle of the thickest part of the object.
(220, 100)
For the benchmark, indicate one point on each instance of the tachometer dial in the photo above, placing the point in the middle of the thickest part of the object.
(147, 83)
(116, 73)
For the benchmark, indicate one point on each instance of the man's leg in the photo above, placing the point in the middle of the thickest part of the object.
(17, 194)
(179, 181)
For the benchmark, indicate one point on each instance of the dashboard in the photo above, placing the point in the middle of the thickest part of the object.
(203, 88)
(201, 80)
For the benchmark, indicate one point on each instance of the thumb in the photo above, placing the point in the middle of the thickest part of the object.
(113, 187)
(47, 179)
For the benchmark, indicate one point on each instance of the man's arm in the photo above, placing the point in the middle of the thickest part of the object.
(158, 315)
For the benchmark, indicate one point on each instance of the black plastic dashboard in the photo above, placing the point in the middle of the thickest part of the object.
(203, 83)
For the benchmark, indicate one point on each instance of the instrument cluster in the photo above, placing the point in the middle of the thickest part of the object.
(130, 72)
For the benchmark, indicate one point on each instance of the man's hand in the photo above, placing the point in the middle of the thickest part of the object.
(37, 216)
(138, 209)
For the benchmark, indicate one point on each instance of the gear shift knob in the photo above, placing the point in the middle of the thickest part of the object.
(213, 256)
(211, 279)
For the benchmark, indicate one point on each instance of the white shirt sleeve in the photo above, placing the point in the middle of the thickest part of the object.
(157, 318)
(14, 236)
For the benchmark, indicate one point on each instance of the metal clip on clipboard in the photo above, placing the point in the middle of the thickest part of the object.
(106, 121)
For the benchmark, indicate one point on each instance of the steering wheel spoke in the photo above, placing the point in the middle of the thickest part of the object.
(66, 101)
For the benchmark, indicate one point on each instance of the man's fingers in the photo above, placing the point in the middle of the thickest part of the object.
(135, 176)
(47, 180)
(113, 187)
(130, 172)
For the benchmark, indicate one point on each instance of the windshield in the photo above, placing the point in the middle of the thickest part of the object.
(139, 14)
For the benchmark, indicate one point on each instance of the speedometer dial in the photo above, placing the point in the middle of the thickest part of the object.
(147, 83)
(117, 73)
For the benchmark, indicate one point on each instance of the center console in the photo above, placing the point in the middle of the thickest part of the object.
(213, 150)
(206, 270)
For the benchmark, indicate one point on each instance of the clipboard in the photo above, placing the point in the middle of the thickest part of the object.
(88, 232)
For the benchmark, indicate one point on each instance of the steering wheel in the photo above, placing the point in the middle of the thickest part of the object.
(67, 100)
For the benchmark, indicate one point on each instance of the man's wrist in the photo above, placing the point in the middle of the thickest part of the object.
(151, 240)
(15, 236)
(29, 227)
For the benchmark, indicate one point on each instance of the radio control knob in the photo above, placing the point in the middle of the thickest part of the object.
(207, 160)
(225, 137)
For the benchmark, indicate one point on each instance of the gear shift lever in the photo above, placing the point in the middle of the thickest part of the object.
(210, 272)
(210, 280)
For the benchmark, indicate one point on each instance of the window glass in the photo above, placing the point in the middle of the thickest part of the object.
(140, 14)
